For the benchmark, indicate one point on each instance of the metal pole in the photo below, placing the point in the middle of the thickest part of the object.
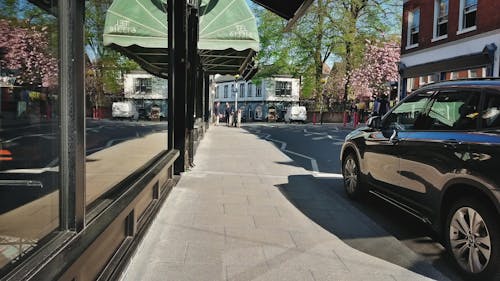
(235, 95)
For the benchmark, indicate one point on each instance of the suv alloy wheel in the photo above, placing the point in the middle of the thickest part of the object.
(473, 239)
(352, 178)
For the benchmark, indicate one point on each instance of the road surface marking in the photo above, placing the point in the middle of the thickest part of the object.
(314, 163)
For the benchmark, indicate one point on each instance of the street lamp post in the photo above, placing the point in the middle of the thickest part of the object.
(236, 92)
(236, 100)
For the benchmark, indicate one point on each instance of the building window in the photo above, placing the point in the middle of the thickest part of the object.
(30, 163)
(233, 90)
(468, 15)
(283, 88)
(226, 88)
(258, 92)
(143, 85)
(217, 92)
(242, 90)
(477, 72)
(441, 18)
(413, 28)
(250, 89)
(453, 75)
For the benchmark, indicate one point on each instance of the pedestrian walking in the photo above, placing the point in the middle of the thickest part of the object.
(228, 113)
(352, 111)
(361, 111)
(216, 113)
(382, 106)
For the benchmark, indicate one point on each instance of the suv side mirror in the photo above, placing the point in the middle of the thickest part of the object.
(374, 122)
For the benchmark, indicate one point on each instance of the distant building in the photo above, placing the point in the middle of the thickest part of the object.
(146, 90)
(447, 40)
(279, 91)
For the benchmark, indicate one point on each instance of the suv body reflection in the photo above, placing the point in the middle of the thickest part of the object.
(436, 155)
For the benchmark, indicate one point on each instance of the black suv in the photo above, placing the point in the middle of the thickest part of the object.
(436, 155)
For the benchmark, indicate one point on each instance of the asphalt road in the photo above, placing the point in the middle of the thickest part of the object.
(372, 226)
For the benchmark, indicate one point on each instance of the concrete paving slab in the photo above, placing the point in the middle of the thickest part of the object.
(233, 217)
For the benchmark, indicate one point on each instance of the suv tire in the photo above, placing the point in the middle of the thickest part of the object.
(468, 246)
(353, 185)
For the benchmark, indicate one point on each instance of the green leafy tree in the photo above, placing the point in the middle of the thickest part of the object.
(301, 52)
(105, 67)
(356, 21)
(331, 31)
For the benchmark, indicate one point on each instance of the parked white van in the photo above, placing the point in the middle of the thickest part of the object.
(124, 109)
(296, 113)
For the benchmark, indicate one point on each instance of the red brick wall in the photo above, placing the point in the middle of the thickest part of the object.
(487, 19)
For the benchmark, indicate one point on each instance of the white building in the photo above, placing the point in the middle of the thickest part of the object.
(146, 90)
(279, 91)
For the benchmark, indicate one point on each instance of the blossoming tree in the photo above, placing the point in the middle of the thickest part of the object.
(379, 67)
(25, 52)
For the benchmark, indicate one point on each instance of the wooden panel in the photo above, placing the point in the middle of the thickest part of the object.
(95, 258)
(145, 199)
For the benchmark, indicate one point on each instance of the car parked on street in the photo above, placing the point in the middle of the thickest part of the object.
(124, 110)
(296, 113)
(436, 155)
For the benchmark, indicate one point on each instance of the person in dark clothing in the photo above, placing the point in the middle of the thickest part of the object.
(382, 106)
(228, 113)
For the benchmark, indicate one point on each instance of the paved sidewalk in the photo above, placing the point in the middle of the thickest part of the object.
(228, 220)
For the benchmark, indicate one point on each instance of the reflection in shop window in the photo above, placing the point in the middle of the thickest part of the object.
(131, 128)
(29, 119)
(250, 90)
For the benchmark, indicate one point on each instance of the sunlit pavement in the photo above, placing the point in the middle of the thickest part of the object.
(246, 211)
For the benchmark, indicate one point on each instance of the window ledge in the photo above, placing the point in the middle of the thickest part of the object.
(439, 38)
(411, 46)
(469, 29)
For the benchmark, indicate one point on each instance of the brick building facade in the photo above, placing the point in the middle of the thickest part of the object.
(448, 39)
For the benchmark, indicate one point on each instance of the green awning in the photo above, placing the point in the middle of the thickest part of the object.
(228, 37)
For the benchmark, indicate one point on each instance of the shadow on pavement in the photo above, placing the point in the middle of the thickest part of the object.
(355, 226)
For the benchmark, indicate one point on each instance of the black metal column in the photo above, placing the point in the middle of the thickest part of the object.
(192, 84)
(178, 68)
(206, 90)
(72, 108)
(192, 65)
(171, 73)
(200, 98)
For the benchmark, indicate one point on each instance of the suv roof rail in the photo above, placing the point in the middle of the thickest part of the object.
(475, 79)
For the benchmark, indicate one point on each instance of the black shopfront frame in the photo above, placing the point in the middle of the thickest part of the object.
(81, 240)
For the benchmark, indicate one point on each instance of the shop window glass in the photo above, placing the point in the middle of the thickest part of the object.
(127, 109)
(29, 129)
